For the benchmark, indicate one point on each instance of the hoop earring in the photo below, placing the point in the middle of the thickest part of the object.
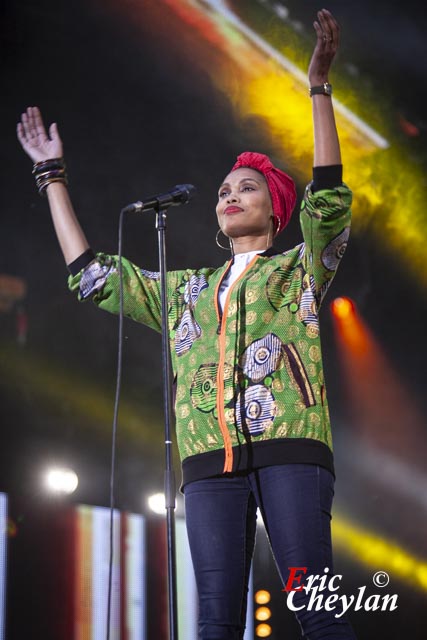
(274, 233)
(221, 246)
(278, 225)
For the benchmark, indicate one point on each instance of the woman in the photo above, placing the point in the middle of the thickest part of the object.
(252, 417)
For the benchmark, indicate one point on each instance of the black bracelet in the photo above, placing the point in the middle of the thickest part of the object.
(45, 165)
(47, 171)
(323, 89)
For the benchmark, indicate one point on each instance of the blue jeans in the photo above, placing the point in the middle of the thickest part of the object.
(295, 501)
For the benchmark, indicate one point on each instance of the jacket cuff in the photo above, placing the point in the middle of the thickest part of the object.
(326, 177)
(81, 262)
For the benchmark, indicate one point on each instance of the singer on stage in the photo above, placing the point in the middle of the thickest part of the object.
(252, 419)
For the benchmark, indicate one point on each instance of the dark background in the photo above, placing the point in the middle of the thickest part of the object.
(138, 116)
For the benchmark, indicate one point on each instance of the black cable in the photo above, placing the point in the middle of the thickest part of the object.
(114, 430)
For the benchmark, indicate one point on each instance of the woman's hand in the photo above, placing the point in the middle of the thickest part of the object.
(41, 146)
(328, 37)
(34, 139)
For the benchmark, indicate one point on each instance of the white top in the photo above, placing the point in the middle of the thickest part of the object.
(241, 261)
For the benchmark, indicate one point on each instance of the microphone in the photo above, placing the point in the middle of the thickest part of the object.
(180, 194)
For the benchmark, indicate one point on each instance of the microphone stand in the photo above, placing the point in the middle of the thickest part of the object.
(170, 491)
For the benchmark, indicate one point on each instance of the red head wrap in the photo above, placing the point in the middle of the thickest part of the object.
(281, 186)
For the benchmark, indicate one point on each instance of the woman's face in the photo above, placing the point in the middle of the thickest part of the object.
(244, 205)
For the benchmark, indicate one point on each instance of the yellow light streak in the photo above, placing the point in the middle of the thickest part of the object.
(388, 186)
(379, 553)
(56, 387)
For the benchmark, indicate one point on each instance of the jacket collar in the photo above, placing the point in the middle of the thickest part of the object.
(268, 253)
(272, 251)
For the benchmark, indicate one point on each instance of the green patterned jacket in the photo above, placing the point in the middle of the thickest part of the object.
(250, 388)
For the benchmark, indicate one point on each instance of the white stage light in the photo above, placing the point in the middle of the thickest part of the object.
(61, 480)
(156, 502)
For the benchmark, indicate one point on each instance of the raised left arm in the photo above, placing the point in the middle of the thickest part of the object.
(326, 142)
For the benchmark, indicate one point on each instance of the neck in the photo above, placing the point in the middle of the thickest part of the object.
(245, 244)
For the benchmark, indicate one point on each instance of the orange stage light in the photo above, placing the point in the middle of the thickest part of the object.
(381, 406)
(342, 307)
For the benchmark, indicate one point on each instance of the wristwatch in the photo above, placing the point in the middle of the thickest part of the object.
(325, 89)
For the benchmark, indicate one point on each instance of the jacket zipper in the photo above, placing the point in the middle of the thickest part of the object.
(222, 320)
(219, 312)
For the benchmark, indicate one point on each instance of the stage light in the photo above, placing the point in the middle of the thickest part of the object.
(61, 480)
(262, 596)
(350, 328)
(156, 502)
(342, 307)
(263, 613)
(263, 630)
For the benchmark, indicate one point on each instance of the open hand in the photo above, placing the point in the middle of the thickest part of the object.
(328, 37)
(34, 139)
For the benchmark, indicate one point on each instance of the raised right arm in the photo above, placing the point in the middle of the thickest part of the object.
(40, 147)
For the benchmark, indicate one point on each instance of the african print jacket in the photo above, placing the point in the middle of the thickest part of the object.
(250, 388)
